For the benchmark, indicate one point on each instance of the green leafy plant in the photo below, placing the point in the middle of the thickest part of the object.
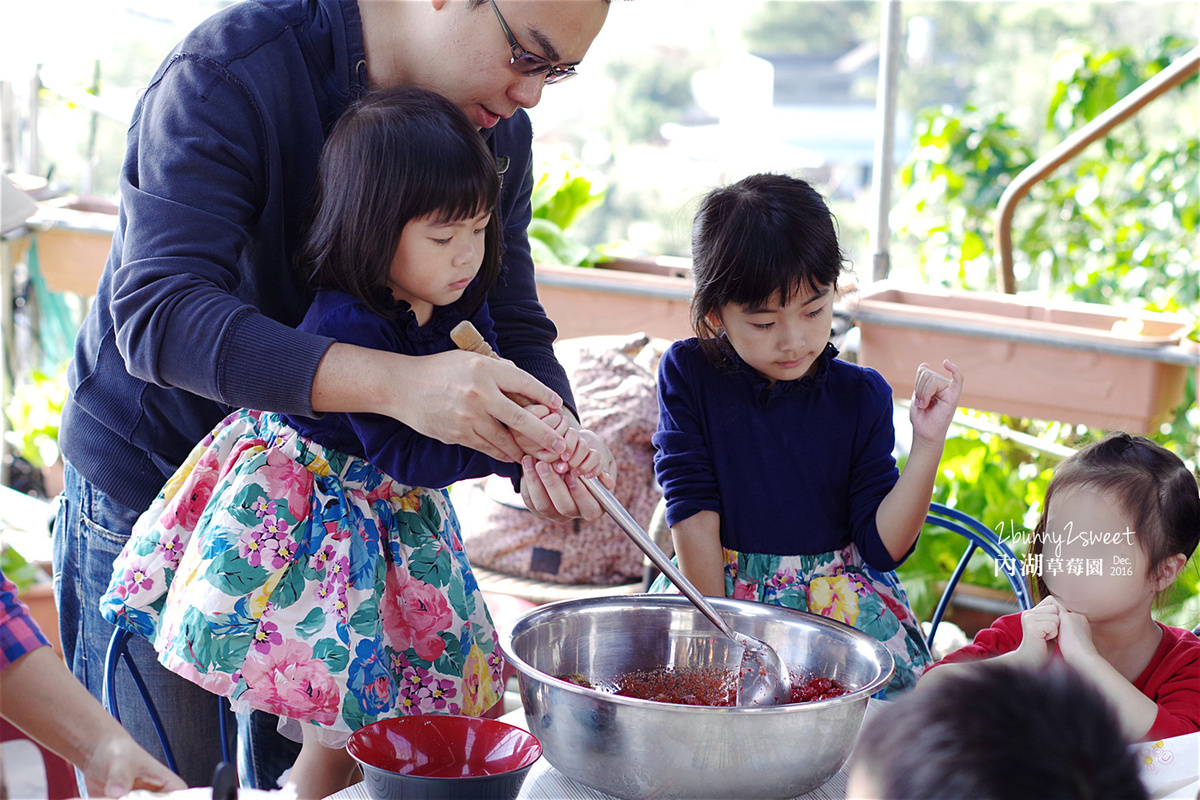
(34, 413)
(1117, 225)
(18, 570)
(561, 194)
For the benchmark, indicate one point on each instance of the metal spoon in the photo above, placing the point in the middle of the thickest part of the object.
(762, 677)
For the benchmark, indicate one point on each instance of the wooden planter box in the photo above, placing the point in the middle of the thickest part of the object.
(1072, 362)
(623, 296)
(73, 240)
(40, 600)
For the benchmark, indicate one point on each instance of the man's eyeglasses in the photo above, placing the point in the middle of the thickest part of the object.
(527, 63)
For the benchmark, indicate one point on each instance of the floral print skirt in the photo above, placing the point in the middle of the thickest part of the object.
(304, 582)
(838, 585)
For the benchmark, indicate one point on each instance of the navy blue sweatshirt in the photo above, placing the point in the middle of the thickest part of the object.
(197, 309)
(792, 468)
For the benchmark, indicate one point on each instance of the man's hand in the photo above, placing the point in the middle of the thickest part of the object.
(455, 397)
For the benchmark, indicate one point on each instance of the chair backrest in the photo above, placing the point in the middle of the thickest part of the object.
(979, 538)
(118, 651)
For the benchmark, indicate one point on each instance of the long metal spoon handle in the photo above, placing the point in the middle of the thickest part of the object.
(466, 337)
(657, 557)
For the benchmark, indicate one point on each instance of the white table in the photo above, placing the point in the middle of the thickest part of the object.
(547, 783)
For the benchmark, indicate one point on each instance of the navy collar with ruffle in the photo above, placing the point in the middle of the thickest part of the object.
(764, 388)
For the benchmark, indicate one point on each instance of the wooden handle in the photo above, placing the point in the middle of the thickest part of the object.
(467, 337)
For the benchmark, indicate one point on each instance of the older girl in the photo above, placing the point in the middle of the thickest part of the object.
(775, 456)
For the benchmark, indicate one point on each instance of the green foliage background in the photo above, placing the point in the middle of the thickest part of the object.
(1117, 225)
(562, 193)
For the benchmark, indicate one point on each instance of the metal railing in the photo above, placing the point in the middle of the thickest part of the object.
(1182, 69)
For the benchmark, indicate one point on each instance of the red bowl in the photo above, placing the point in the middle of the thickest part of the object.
(440, 757)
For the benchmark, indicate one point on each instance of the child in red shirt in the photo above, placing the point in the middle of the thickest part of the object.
(1132, 509)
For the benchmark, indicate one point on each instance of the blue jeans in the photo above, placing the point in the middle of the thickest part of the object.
(89, 532)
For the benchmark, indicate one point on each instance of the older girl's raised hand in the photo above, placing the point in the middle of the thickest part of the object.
(934, 401)
(1039, 629)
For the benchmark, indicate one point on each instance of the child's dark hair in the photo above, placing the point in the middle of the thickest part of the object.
(763, 236)
(395, 156)
(1000, 732)
(1149, 483)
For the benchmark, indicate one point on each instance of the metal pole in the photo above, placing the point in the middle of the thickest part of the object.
(885, 136)
(89, 176)
(10, 139)
(35, 91)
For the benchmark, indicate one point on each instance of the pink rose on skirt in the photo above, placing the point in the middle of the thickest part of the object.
(284, 479)
(413, 614)
(288, 681)
(185, 508)
(744, 590)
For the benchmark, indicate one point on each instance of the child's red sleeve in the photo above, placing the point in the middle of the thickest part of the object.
(1172, 680)
(1002, 637)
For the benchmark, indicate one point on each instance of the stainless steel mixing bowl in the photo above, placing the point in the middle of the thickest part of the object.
(633, 748)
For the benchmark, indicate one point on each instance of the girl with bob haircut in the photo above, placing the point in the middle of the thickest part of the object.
(381, 169)
(313, 568)
(1121, 519)
(775, 457)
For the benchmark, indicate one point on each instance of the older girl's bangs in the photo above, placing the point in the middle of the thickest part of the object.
(756, 263)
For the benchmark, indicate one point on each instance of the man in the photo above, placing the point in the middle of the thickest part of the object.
(199, 292)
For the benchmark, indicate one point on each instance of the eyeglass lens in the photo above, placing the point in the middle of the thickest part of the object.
(531, 64)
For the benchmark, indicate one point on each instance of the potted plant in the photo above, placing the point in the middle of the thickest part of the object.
(587, 292)
(34, 413)
(1030, 358)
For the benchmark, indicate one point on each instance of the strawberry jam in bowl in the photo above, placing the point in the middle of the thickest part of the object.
(632, 696)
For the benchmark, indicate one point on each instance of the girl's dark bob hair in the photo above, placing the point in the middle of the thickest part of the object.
(763, 236)
(1149, 483)
(397, 155)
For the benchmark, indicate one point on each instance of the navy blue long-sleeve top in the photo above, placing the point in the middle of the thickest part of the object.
(792, 468)
(199, 292)
(395, 448)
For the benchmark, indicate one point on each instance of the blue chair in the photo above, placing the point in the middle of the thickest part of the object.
(979, 538)
(118, 650)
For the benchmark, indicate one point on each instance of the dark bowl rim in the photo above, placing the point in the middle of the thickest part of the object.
(511, 773)
(526, 670)
(537, 750)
